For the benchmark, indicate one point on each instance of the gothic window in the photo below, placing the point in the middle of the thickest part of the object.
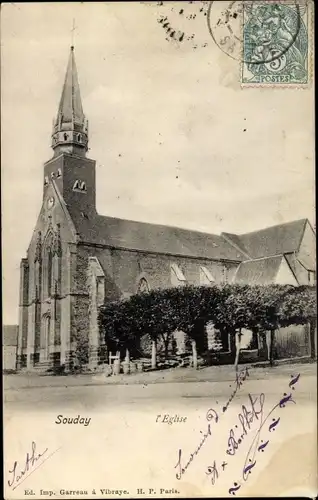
(206, 277)
(65, 137)
(49, 272)
(47, 264)
(177, 276)
(83, 186)
(59, 173)
(76, 185)
(79, 137)
(143, 286)
(36, 280)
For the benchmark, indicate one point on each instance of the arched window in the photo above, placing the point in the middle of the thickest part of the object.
(49, 271)
(59, 173)
(47, 267)
(143, 286)
(83, 186)
(76, 185)
(65, 137)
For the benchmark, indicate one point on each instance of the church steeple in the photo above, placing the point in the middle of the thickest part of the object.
(70, 128)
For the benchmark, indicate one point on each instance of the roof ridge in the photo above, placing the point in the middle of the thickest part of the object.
(160, 225)
(304, 220)
(274, 256)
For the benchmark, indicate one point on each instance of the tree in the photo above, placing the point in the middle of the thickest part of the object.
(154, 315)
(230, 314)
(115, 320)
(193, 307)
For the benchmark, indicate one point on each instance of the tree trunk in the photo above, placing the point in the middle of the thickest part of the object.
(153, 354)
(232, 345)
(194, 354)
(238, 347)
(255, 342)
(166, 339)
(225, 340)
(271, 348)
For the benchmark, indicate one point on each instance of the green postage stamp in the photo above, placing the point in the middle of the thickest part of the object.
(276, 43)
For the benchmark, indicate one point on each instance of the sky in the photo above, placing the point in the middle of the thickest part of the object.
(176, 139)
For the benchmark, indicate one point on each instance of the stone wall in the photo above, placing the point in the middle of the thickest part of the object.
(123, 268)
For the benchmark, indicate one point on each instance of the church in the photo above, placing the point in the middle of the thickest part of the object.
(77, 259)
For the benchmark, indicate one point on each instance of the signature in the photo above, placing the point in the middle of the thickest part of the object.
(211, 415)
(18, 473)
(249, 419)
(250, 413)
(257, 444)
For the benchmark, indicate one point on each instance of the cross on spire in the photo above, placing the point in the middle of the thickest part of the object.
(72, 33)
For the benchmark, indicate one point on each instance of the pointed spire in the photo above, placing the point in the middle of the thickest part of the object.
(70, 127)
(70, 108)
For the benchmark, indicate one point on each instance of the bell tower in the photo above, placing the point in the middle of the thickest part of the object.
(73, 173)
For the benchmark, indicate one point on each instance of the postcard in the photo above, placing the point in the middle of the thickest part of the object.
(159, 272)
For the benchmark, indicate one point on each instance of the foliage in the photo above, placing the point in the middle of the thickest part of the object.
(230, 307)
(298, 306)
(116, 319)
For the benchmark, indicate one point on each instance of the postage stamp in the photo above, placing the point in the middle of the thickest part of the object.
(275, 43)
(271, 39)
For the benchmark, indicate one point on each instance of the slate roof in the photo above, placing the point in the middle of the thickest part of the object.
(9, 335)
(143, 236)
(258, 272)
(275, 240)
